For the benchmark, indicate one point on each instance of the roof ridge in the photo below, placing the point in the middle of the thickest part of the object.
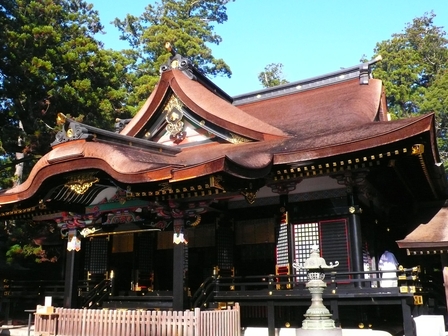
(361, 71)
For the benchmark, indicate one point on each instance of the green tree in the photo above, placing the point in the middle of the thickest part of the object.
(187, 25)
(50, 62)
(272, 75)
(436, 100)
(412, 60)
(414, 72)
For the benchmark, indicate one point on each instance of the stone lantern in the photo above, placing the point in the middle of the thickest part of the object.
(318, 319)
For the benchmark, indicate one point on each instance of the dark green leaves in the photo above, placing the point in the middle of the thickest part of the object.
(50, 62)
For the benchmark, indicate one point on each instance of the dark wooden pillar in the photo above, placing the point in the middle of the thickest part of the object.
(271, 317)
(354, 180)
(408, 323)
(355, 230)
(71, 277)
(180, 265)
(71, 270)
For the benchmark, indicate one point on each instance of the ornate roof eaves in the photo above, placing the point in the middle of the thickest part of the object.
(37, 177)
(152, 104)
(77, 131)
(412, 128)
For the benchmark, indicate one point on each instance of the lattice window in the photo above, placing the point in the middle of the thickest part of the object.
(330, 236)
(224, 246)
(145, 252)
(96, 255)
(282, 246)
(334, 243)
(305, 236)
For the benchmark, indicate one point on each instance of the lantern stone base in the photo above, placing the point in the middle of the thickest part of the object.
(314, 332)
(318, 324)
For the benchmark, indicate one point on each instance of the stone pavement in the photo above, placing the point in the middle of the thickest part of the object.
(16, 330)
(292, 332)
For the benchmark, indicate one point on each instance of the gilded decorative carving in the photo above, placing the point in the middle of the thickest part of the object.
(250, 196)
(215, 181)
(197, 221)
(174, 115)
(165, 187)
(418, 149)
(42, 205)
(236, 139)
(81, 183)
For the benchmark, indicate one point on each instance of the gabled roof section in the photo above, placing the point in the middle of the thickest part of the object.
(321, 105)
(430, 237)
(179, 100)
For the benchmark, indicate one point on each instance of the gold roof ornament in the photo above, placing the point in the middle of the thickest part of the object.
(174, 115)
(81, 183)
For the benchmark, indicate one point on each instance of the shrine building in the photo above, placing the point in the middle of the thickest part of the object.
(200, 187)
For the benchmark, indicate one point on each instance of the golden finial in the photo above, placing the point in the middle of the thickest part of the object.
(61, 118)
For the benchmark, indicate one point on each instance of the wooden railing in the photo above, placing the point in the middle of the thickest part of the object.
(93, 322)
(32, 288)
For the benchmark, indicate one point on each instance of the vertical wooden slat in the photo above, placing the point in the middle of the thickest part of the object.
(184, 322)
(86, 322)
(108, 322)
(82, 322)
(64, 319)
(154, 324)
(130, 330)
(111, 322)
(100, 321)
(197, 322)
(77, 322)
(121, 322)
(138, 330)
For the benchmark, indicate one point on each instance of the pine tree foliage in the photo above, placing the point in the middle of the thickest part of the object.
(50, 62)
(187, 25)
(414, 70)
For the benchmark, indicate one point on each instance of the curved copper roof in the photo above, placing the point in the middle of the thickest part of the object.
(432, 235)
(324, 110)
(291, 129)
(205, 104)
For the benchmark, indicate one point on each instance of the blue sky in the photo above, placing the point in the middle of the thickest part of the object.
(309, 37)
